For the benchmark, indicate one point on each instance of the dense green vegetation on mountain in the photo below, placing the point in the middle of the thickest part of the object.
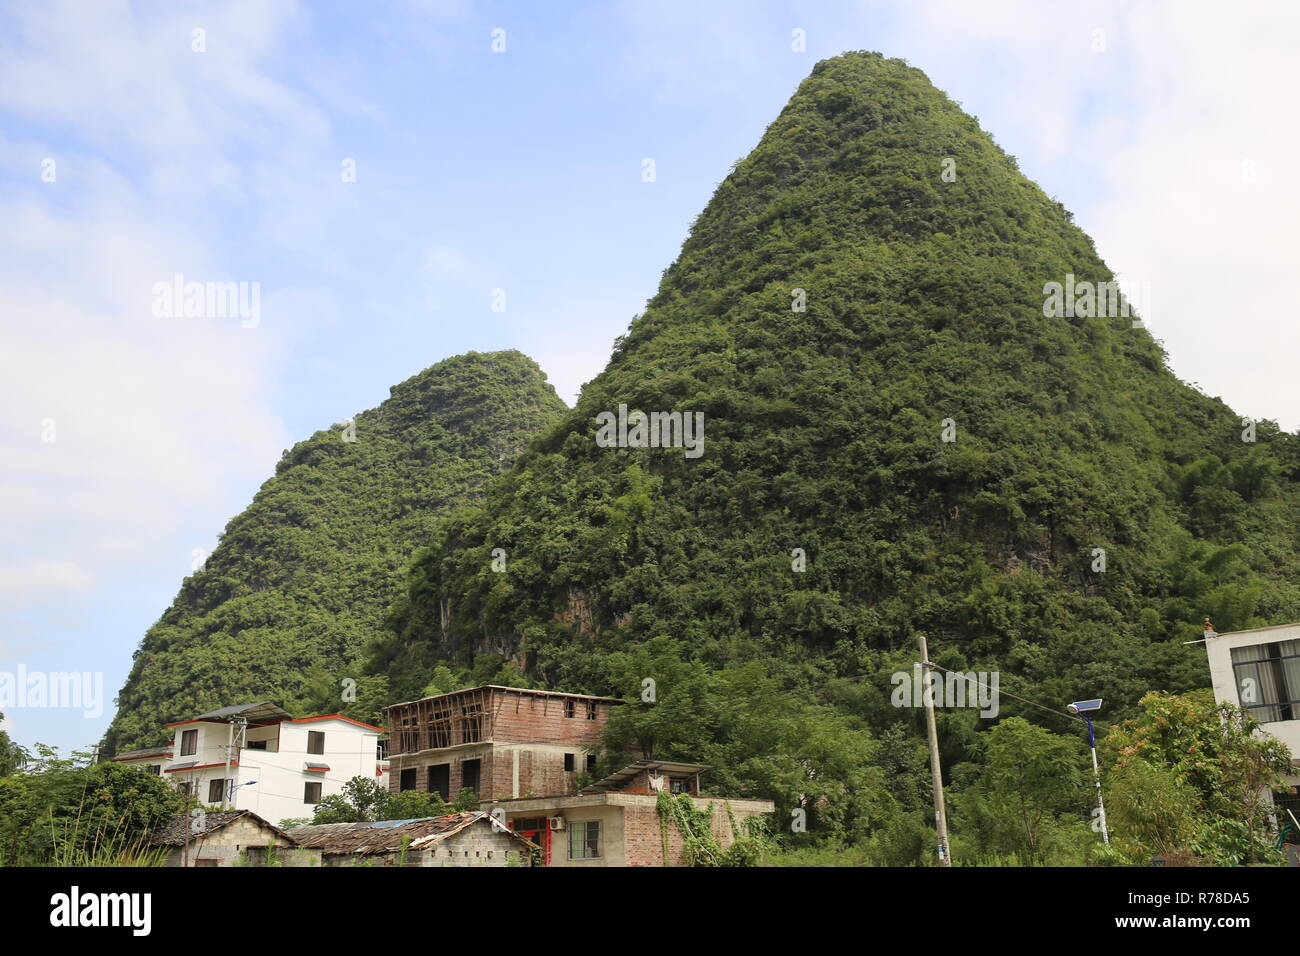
(898, 439)
(300, 581)
(772, 586)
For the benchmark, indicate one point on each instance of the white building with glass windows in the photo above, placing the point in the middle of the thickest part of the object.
(1259, 671)
(259, 757)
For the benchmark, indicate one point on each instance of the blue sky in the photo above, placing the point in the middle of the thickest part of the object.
(1166, 127)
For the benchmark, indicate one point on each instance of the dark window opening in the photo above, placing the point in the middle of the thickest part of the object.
(591, 763)
(568, 708)
(315, 742)
(591, 710)
(469, 775)
(189, 742)
(407, 780)
(256, 745)
(568, 763)
(440, 780)
(311, 793)
(217, 791)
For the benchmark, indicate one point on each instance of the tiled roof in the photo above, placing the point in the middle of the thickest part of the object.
(172, 833)
(164, 751)
(387, 836)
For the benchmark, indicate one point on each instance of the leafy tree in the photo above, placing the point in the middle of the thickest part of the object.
(1224, 758)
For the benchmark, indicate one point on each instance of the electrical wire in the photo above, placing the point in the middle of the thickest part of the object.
(999, 690)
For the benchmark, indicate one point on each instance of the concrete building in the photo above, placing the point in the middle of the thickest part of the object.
(258, 757)
(1259, 671)
(229, 838)
(459, 839)
(615, 822)
(501, 742)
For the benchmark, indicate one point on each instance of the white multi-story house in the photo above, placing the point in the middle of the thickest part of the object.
(1259, 671)
(259, 757)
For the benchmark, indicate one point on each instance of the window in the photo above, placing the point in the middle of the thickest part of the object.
(591, 710)
(584, 840)
(217, 790)
(1268, 680)
(155, 769)
(568, 763)
(186, 788)
(311, 792)
(407, 780)
(381, 750)
(679, 784)
(591, 763)
(440, 780)
(256, 745)
(189, 742)
(568, 708)
(469, 775)
(315, 742)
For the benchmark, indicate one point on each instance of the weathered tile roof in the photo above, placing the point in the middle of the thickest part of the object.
(387, 836)
(172, 833)
(164, 751)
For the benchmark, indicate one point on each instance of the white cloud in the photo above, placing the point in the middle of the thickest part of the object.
(118, 429)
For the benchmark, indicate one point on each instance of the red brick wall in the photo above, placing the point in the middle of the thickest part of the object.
(644, 843)
(541, 772)
(530, 718)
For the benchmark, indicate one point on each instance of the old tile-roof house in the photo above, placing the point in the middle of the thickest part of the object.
(501, 742)
(471, 838)
(615, 822)
(227, 838)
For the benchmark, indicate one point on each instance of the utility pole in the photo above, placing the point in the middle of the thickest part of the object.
(230, 755)
(936, 772)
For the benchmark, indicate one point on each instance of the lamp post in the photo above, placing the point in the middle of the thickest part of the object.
(1085, 709)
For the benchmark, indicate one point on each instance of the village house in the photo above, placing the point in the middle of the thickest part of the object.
(616, 822)
(1259, 671)
(259, 757)
(471, 838)
(228, 838)
(152, 759)
(500, 742)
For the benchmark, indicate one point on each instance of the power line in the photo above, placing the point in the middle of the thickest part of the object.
(999, 690)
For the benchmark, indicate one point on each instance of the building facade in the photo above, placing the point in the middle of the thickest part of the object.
(616, 821)
(258, 757)
(470, 838)
(500, 742)
(1259, 671)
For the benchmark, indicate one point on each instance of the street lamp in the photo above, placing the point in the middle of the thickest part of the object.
(1085, 709)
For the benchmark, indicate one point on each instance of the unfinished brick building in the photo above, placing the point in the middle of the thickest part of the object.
(502, 742)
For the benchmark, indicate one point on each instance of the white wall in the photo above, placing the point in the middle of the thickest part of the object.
(271, 782)
(1219, 651)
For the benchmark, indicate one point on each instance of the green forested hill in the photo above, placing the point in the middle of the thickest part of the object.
(301, 579)
(824, 432)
